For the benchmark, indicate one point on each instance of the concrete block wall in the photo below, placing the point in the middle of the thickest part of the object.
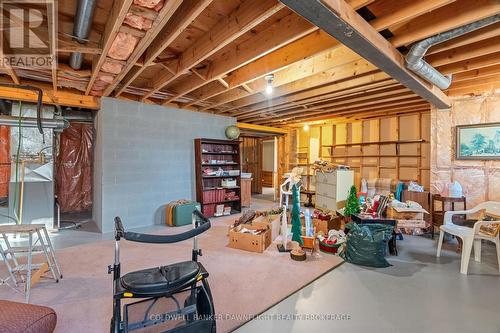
(144, 158)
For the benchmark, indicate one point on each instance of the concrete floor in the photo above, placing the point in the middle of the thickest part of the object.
(419, 293)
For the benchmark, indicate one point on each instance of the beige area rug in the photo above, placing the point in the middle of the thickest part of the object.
(242, 283)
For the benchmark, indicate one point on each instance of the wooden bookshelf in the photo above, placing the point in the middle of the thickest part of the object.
(212, 155)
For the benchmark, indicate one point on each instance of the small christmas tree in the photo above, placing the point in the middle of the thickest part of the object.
(352, 204)
(296, 225)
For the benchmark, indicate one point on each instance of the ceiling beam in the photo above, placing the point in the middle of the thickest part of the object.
(164, 16)
(330, 66)
(186, 14)
(248, 15)
(316, 45)
(62, 97)
(465, 52)
(337, 96)
(362, 83)
(119, 9)
(298, 50)
(52, 30)
(469, 64)
(487, 32)
(474, 88)
(364, 114)
(387, 95)
(286, 30)
(454, 15)
(5, 65)
(336, 18)
(260, 128)
(405, 13)
(361, 107)
(477, 73)
(356, 4)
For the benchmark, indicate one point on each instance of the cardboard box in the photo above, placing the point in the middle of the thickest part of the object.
(405, 214)
(271, 221)
(410, 224)
(249, 242)
(324, 226)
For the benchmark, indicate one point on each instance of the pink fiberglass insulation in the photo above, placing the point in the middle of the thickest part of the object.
(105, 77)
(123, 46)
(111, 66)
(150, 4)
(138, 22)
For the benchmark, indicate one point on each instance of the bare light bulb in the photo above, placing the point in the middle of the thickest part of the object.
(269, 89)
(306, 127)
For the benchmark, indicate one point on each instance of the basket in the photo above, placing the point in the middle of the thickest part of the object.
(329, 248)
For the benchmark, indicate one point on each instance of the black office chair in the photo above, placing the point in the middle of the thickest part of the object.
(174, 298)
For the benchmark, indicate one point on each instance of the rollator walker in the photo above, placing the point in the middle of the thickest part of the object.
(171, 298)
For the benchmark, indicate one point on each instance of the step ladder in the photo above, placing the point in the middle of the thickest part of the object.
(28, 273)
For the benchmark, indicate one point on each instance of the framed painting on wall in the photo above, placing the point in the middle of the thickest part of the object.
(478, 142)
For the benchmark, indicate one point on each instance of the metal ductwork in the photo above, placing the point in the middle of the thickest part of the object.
(414, 60)
(83, 22)
(56, 124)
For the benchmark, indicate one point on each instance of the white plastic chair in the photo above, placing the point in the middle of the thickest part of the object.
(470, 236)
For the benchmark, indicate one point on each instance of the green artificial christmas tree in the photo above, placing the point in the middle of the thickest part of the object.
(352, 204)
(296, 225)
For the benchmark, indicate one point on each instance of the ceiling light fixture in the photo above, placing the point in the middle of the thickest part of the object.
(269, 84)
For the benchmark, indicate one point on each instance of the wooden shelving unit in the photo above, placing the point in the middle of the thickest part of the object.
(396, 147)
(211, 154)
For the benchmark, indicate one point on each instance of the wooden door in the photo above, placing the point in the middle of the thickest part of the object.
(251, 160)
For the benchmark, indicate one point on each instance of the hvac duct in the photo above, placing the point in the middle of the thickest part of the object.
(83, 21)
(56, 124)
(414, 60)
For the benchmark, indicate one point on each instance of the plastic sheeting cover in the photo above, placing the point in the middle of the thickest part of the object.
(4, 161)
(74, 168)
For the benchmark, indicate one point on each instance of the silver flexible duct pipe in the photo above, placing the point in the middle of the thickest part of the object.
(83, 22)
(414, 60)
(56, 124)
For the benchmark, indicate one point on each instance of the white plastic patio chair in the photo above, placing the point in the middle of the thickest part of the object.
(470, 236)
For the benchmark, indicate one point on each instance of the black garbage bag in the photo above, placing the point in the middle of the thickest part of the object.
(367, 243)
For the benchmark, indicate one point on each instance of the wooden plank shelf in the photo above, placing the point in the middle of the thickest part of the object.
(223, 201)
(221, 188)
(374, 143)
(219, 164)
(219, 153)
(214, 177)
